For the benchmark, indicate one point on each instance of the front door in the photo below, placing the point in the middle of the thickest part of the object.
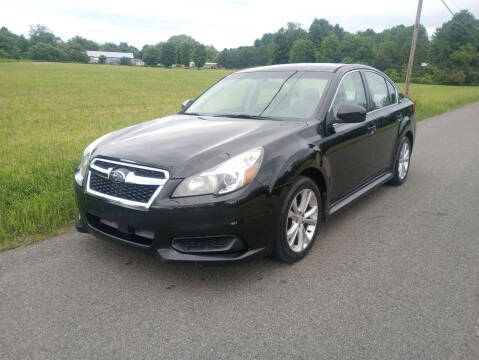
(350, 148)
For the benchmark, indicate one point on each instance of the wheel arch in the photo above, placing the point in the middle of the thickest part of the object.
(306, 162)
(410, 136)
(317, 176)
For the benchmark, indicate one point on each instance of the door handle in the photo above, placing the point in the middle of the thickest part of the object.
(372, 127)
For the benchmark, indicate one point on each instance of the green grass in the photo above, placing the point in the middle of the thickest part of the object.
(49, 112)
(433, 100)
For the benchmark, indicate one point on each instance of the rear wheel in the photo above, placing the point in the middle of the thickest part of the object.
(300, 220)
(403, 160)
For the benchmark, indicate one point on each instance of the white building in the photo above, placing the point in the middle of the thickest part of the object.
(210, 65)
(138, 62)
(111, 56)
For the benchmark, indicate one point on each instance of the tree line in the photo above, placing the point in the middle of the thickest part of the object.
(180, 50)
(450, 56)
(43, 45)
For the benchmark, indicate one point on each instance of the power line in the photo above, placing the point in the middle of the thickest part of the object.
(457, 7)
(459, 22)
(447, 7)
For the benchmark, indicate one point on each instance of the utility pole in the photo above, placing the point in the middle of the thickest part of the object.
(413, 48)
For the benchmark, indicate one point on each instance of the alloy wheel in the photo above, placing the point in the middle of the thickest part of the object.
(403, 163)
(302, 220)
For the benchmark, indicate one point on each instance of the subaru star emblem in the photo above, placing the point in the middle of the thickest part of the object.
(117, 176)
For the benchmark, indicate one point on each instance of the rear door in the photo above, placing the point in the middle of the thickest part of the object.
(385, 111)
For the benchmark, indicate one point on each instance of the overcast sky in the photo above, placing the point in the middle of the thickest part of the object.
(226, 23)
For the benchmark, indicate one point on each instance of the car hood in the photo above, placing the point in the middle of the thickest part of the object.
(187, 144)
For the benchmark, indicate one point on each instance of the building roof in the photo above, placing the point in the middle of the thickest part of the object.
(109, 54)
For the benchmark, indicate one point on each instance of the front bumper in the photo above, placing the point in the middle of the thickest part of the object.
(230, 228)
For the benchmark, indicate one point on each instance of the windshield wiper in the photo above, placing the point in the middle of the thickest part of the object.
(245, 116)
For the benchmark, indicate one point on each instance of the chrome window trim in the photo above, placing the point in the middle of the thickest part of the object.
(385, 107)
(394, 86)
(370, 70)
(131, 179)
(339, 85)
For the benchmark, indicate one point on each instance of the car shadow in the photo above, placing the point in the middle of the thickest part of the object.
(140, 265)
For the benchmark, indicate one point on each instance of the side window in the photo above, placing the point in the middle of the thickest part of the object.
(392, 92)
(350, 91)
(378, 90)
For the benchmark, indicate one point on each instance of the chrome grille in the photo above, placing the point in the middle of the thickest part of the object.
(135, 192)
(139, 172)
(140, 185)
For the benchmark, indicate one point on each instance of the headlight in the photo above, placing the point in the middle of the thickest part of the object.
(86, 157)
(225, 177)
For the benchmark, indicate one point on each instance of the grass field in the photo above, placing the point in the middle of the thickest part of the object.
(50, 111)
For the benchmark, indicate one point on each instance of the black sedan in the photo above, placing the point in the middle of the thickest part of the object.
(251, 167)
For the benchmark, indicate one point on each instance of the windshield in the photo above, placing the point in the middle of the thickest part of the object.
(276, 95)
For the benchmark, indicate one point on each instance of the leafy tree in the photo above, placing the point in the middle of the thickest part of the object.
(84, 43)
(284, 40)
(264, 49)
(365, 52)
(465, 56)
(199, 56)
(168, 54)
(462, 29)
(109, 47)
(385, 55)
(302, 51)
(75, 52)
(12, 46)
(454, 50)
(184, 46)
(348, 47)
(457, 77)
(339, 31)
(393, 74)
(40, 33)
(224, 59)
(185, 53)
(125, 61)
(263, 54)
(124, 47)
(102, 59)
(281, 50)
(319, 30)
(211, 53)
(151, 55)
(46, 52)
(330, 49)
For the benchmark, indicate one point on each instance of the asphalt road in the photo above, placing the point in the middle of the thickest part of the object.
(394, 276)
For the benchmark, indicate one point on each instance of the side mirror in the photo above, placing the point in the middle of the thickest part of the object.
(185, 104)
(351, 114)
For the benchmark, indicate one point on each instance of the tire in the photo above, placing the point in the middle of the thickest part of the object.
(294, 211)
(402, 162)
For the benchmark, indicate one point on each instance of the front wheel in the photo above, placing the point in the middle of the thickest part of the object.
(299, 222)
(403, 160)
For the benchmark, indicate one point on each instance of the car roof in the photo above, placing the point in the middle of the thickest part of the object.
(326, 67)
